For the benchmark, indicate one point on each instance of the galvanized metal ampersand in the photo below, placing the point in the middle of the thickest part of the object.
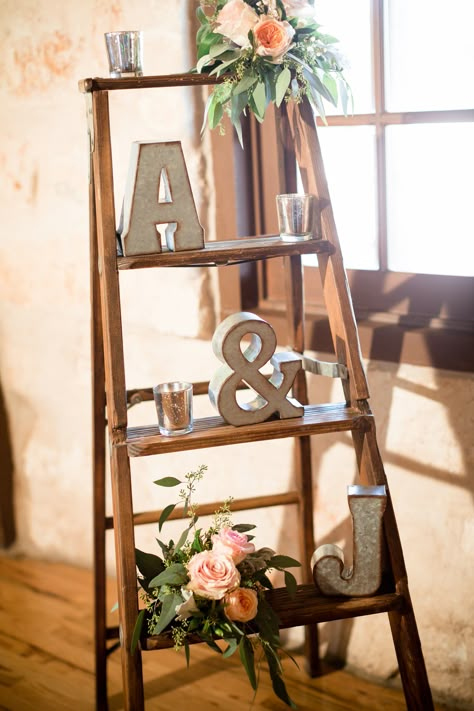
(245, 366)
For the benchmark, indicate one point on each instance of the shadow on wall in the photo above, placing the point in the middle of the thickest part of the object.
(7, 516)
(337, 635)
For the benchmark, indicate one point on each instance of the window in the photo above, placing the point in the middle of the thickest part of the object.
(401, 176)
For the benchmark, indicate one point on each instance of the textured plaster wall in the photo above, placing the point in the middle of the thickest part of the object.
(425, 428)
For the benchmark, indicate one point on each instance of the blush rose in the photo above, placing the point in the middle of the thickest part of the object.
(235, 21)
(232, 543)
(212, 575)
(273, 37)
(241, 604)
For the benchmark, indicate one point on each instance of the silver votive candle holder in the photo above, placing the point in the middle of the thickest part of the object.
(296, 216)
(125, 53)
(174, 407)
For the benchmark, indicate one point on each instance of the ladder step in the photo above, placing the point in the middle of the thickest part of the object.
(215, 432)
(307, 607)
(224, 253)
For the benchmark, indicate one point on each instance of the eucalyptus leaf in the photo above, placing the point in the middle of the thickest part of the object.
(165, 514)
(282, 84)
(318, 85)
(218, 49)
(203, 60)
(331, 85)
(259, 98)
(163, 547)
(317, 102)
(175, 574)
(216, 112)
(244, 84)
(291, 584)
(243, 527)
(267, 622)
(207, 40)
(137, 630)
(168, 481)
(225, 64)
(148, 564)
(183, 538)
(283, 561)
(201, 16)
(168, 612)
(275, 674)
(247, 658)
(233, 645)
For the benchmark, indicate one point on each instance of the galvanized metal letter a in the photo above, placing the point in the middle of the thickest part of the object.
(158, 192)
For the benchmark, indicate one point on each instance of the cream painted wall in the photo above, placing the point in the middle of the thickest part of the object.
(424, 416)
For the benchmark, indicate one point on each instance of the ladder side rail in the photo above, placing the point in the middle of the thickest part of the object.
(98, 458)
(116, 402)
(294, 293)
(337, 297)
(403, 625)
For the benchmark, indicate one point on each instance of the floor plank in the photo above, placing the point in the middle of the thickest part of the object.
(47, 659)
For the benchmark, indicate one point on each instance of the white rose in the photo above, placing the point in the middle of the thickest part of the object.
(235, 21)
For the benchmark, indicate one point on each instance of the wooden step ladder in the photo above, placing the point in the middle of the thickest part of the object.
(111, 400)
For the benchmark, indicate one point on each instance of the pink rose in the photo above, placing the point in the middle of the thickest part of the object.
(235, 21)
(232, 543)
(241, 604)
(298, 8)
(273, 37)
(212, 575)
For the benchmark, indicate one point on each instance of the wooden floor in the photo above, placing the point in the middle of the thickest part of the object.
(47, 659)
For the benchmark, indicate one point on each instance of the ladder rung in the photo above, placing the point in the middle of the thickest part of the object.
(307, 607)
(215, 432)
(254, 502)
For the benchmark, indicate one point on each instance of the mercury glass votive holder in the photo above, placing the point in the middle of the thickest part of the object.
(125, 53)
(174, 407)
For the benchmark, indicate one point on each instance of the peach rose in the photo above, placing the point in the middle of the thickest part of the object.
(232, 543)
(235, 21)
(212, 575)
(241, 604)
(273, 37)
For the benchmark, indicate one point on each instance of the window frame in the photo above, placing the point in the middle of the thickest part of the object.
(415, 318)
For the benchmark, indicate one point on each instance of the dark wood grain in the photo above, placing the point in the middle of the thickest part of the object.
(146, 82)
(308, 607)
(336, 292)
(214, 432)
(116, 399)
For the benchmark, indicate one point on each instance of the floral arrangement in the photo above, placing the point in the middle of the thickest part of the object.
(267, 51)
(210, 586)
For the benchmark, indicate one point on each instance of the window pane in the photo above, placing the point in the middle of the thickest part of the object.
(429, 54)
(349, 161)
(349, 21)
(430, 178)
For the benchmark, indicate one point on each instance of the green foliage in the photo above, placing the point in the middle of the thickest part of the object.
(168, 481)
(283, 561)
(174, 574)
(137, 630)
(309, 66)
(175, 604)
(247, 657)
